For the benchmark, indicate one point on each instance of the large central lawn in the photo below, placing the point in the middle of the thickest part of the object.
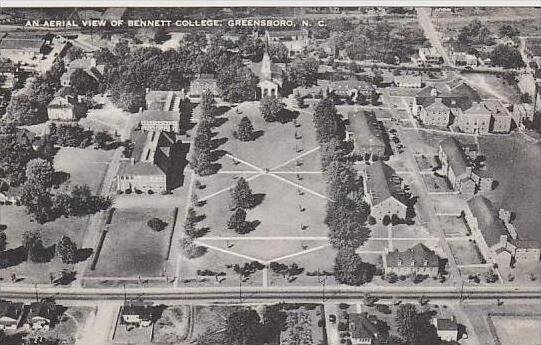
(131, 248)
(516, 166)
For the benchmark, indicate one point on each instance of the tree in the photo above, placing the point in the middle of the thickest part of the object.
(66, 249)
(237, 220)
(327, 121)
(526, 98)
(271, 108)
(243, 327)
(156, 224)
(15, 155)
(508, 30)
(245, 130)
(341, 180)
(331, 151)
(38, 202)
(506, 56)
(3, 241)
(101, 139)
(208, 106)
(83, 84)
(299, 99)
(350, 269)
(24, 110)
(237, 83)
(189, 249)
(303, 72)
(241, 195)
(279, 268)
(40, 172)
(278, 52)
(406, 319)
(33, 246)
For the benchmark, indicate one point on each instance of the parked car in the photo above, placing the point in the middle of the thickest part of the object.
(332, 318)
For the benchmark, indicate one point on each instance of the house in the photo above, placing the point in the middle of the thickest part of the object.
(351, 88)
(463, 59)
(151, 166)
(435, 114)
(294, 40)
(367, 135)
(86, 64)
(42, 315)
(495, 240)
(65, 108)
(408, 81)
(204, 82)
(137, 313)
(361, 329)
(430, 56)
(383, 193)
(271, 76)
(24, 46)
(446, 328)
(417, 260)
(10, 314)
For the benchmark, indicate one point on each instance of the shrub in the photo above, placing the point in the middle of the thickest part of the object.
(156, 224)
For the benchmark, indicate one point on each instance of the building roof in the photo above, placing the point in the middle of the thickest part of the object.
(360, 327)
(10, 310)
(144, 158)
(408, 79)
(276, 71)
(455, 94)
(489, 224)
(113, 13)
(22, 44)
(382, 183)
(455, 155)
(62, 102)
(351, 84)
(160, 115)
(42, 310)
(429, 51)
(83, 63)
(444, 324)
(364, 126)
(417, 256)
(478, 108)
(437, 107)
(288, 33)
(496, 108)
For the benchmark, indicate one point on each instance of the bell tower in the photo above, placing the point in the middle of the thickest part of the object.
(266, 66)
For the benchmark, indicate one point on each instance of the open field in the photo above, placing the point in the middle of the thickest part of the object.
(491, 86)
(511, 328)
(17, 222)
(85, 166)
(131, 248)
(453, 226)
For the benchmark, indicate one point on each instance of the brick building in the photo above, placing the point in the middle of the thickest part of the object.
(417, 260)
(367, 135)
(204, 82)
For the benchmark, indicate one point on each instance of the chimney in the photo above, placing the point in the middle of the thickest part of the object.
(503, 240)
(438, 100)
(132, 161)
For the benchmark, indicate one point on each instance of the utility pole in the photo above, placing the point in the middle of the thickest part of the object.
(36, 292)
(322, 279)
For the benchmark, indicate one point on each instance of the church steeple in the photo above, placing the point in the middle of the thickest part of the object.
(266, 66)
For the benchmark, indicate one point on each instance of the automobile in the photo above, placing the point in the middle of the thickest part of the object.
(332, 318)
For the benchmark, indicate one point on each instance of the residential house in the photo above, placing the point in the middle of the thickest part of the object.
(42, 315)
(383, 193)
(430, 56)
(151, 167)
(10, 315)
(86, 64)
(435, 114)
(351, 88)
(137, 313)
(495, 240)
(202, 83)
(65, 108)
(271, 76)
(367, 135)
(362, 330)
(409, 81)
(417, 260)
(294, 40)
(463, 59)
(446, 328)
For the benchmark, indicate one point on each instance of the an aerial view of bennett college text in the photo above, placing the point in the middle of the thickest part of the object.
(270, 176)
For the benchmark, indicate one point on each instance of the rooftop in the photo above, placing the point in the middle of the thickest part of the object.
(382, 183)
(478, 108)
(22, 44)
(160, 115)
(444, 324)
(360, 327)
(457, 158)
(489, 224)
(365, 128)
(417, 256)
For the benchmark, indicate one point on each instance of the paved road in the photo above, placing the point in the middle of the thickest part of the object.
(423, 14)
(98, 327)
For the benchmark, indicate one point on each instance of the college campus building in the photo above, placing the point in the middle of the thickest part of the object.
(65, 107)
(417, 260)
(203, 83)
(163, 111)
(10, 315)
(137, 313)
(435, 114)
(456, 166)
(430, 56)
(86, 64)
(271, 76)
(489, 116)
(409, 81)
(497, 238)
(22, 44)
(294, 40)
(446, 328)
(351, 88)
(369, 139)
(383, 193)
(151, 164)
